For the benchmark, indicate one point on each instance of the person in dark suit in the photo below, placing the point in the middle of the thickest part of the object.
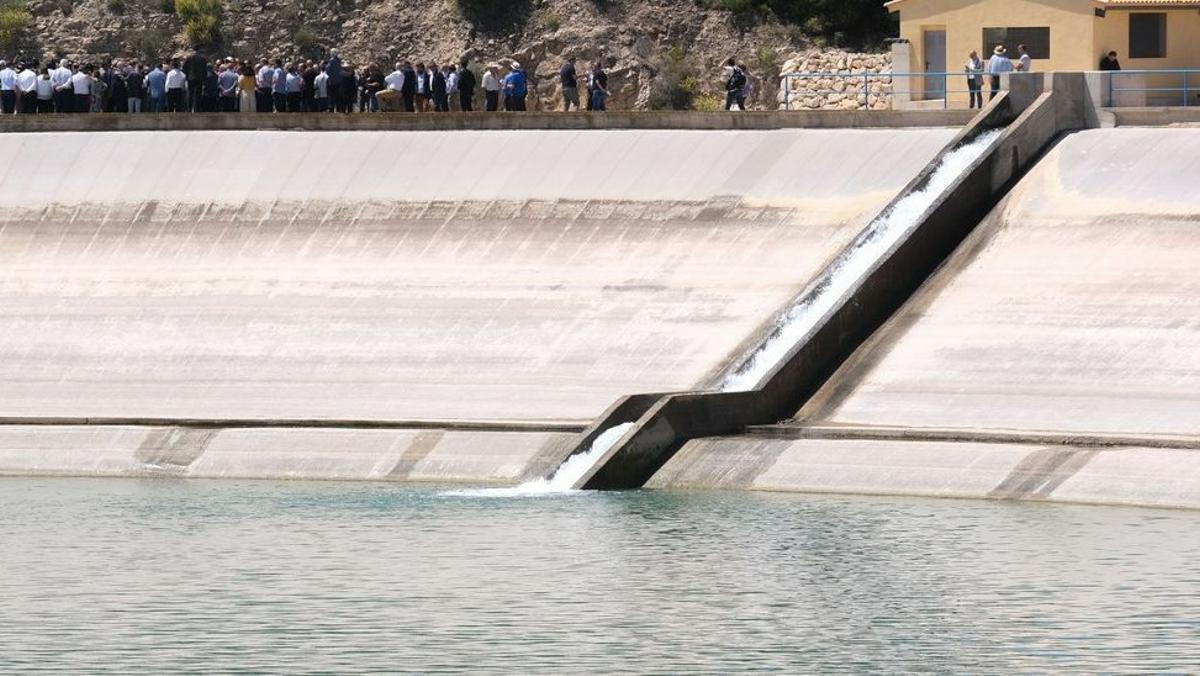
(466, 88)
(195, 68)
(437, 88)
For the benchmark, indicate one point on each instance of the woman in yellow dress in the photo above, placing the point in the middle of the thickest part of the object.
(247, 103)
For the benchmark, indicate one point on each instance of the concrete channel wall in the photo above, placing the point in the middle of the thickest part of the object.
(503, 286)
(1034, 113)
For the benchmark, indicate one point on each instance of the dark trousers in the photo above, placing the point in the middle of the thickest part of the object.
(491, 101)
(8, 102)
(262, 99)
(515, 103)
(995, 87)
(175, 101)
(440, 103)
(29, 102)
(208, 104)
(466, 101)
(294, 102)
(194, 92)
(228, 104)
(64, 101)
(975, 87)
(83, 103)
(45, 105)
(410, 101)
(279, 102)
(335, 95)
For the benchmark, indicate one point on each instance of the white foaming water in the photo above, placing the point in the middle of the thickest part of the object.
(564, 478)
(847, 269)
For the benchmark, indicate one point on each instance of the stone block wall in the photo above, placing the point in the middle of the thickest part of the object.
(839, 81)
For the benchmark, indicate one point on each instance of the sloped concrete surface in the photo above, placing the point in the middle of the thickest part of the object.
(501, 275)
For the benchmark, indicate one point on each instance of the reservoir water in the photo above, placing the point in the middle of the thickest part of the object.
(155, 576)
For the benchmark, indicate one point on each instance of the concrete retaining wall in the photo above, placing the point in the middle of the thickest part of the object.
(1158, 477)
(500, 456)
(882, 119)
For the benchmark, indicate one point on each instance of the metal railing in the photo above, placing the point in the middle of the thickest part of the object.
(1135, 88)
(872, 91)
(933, 88)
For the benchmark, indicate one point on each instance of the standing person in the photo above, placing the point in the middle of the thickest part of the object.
(8, 89)
(176, 84)
(568, 79)
(516, 87)
(227, 88)
(348, 90)
(1024, 62)
(998, 65)
(321, 87)
(598, 85)
(735, 82)
(60, 80)
(747, 89)
(27, 86)
(295, 89)
(409, 91)
(195, 67)
(264, 78)
(247, 90)
(45, 92)
(437, 89)
(81, 86)
(491, 88)
(451, 87)
(211, 91)
(974, 71)
(466, 88)
(156, 89)
(373, 84)
(135, 89)
(1110, 62)
(422, 93)
(308, 87)
(333, 68)
(279, 87)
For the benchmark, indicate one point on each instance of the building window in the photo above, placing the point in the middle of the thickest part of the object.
(1148, 36)
(1036, 40)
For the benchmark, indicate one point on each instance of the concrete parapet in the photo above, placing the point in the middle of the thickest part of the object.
(749, 120)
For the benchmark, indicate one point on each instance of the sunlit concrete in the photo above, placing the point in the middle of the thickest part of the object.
(501, 275)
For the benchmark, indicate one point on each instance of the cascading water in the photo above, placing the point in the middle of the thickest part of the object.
(849, 268)
(565, 477)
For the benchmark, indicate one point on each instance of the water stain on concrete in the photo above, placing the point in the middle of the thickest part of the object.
(174, 446)
(420, 448)
(1041, 472)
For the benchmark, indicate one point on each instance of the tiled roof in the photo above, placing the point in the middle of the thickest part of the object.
(1111, 4)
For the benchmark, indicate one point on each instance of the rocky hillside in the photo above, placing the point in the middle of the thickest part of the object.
(660, 53)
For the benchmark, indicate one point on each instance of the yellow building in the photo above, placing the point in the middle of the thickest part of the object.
(1061, 35)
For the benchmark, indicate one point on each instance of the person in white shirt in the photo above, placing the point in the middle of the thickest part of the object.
(264, 79)
(997, 66)
(81, 86)
(321, 85)
(451, 87)
(176, 90)
(45, 92)
(491, 88)
(8, 89)
(27, 87)
(60, 80)
(1024, 63)
(395, 80)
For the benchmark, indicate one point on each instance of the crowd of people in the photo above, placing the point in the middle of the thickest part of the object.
(196, 84)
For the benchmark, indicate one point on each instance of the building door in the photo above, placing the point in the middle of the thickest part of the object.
(934, 48)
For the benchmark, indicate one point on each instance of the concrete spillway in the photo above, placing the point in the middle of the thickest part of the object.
(1054, 356)
(436, 277)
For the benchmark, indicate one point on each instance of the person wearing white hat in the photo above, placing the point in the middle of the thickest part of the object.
(998, 65)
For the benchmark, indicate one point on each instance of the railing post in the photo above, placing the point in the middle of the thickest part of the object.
(867, 90)
(787, 91)
(1186, 99)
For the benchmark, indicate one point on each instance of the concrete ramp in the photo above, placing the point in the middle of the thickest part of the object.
(432, 277)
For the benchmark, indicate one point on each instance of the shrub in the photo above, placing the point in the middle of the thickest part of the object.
(15, 22)
(201, 20)
(304, 37)
(493, 15)
(675, 85)
(116, 6)
(167, 6)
